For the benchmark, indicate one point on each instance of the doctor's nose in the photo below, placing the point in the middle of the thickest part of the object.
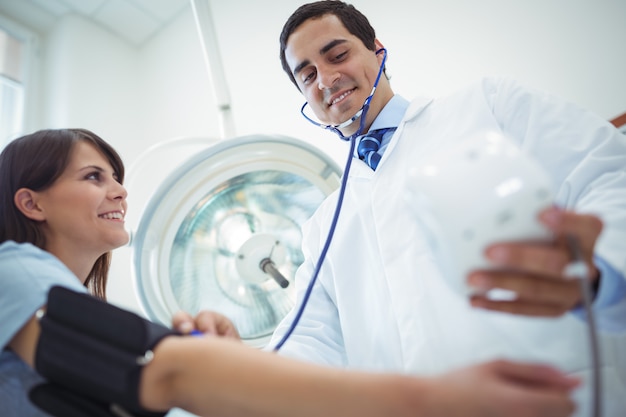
(326, 79)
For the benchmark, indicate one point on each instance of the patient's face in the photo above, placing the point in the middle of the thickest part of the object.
(84, 209)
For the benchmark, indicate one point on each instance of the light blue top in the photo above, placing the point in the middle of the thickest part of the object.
(26, 275)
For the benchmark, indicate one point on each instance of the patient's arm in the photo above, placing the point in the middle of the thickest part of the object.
(217, 376)
(24, 342)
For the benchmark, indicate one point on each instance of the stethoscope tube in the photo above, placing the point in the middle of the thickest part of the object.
(329, 237)
(362, 113)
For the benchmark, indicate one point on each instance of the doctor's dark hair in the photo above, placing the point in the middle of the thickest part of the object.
(353, 20)
(36, 161)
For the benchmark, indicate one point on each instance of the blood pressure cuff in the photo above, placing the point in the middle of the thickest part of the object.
(92, 354)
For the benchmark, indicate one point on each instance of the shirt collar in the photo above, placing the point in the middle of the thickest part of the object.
(391, 115)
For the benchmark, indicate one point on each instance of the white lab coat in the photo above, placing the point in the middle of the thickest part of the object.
(380, 302)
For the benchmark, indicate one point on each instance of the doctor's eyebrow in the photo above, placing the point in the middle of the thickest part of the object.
(330, 45)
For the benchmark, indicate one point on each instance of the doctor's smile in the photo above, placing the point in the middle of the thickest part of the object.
(340, 98)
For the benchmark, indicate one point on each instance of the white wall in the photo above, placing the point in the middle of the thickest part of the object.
(88, 80)
(137, 97)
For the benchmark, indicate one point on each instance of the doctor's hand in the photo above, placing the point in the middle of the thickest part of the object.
(205, 322)
(536, 271)
(503, 388)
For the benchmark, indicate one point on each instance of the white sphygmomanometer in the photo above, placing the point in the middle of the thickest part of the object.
(483, 191)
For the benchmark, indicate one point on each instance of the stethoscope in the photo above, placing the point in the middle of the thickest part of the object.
(362, 113)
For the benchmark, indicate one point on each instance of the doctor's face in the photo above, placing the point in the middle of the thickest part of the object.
(83, 210)
(335, 71)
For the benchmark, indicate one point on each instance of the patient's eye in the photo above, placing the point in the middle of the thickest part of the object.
(93, 175)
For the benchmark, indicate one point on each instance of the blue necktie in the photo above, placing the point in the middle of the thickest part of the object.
(369, 144)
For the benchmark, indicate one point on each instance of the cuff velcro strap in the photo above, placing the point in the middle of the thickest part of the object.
(60, 402)
(95, 350)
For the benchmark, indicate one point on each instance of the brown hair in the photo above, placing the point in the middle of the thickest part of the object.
(35, 161)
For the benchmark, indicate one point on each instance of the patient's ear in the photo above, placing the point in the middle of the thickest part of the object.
(26, 202)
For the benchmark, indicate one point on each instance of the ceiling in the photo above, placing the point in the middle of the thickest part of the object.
(133, 20)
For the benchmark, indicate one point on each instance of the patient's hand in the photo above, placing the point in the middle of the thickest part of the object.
(503, 388)
(206, 322)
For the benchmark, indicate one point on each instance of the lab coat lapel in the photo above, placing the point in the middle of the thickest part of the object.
(388, 208)
(416, 107)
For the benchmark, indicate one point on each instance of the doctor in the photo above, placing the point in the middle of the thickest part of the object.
(380, 302)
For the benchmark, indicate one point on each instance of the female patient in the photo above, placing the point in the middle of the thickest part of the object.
(62, 206)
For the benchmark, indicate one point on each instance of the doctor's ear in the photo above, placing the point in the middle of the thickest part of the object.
(26, 201)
